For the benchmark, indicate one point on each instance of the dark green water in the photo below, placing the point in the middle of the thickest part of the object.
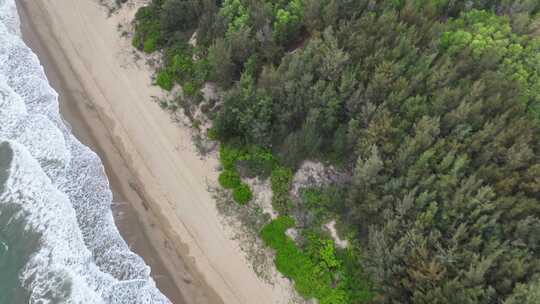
(58, 239)
(16, 245)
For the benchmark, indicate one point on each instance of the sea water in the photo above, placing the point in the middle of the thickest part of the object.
(58, 240)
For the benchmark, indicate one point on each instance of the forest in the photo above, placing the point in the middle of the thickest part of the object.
(432, 107)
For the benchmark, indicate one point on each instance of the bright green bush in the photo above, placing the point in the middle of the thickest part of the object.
(236, 13)
(256, 159)
(487, 34)
(150, 45)
(189, 73)
(273, 233)
(317, 272)
(182, 64)
(228, 156)
(164, 80)
(288, 21)
(290, 261)
(242, 194)
(229, 179)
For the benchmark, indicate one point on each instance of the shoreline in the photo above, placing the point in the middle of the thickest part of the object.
(87, 130)
(151, 162)
(140, 232)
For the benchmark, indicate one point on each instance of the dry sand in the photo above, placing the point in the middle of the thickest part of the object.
(86, 128)
(152, 162)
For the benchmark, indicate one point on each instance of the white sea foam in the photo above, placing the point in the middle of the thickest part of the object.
(61, 191)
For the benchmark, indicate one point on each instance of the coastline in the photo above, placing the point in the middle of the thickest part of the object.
(89, 130)
(150, 161)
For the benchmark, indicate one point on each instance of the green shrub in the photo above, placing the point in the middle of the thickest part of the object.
(273, 233)
(288, 22)
(150, 45)
(182, 64)
(201, 70)
(353, 278)
(310, 272)
(281, 180)
(228, 156)
(164, 80)
(137, 40)
(211, 134)
(190, 89)
(257, 161)
(242, 194)
(147, 29)
(254, 161)
(323, 202)
(229, 179)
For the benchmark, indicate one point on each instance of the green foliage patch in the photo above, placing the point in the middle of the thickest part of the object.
(242, 194)
(288, 21)
(324, 202)
(490, 36)
(153, 25)
(229, 179)
(147, 36)
(281, 180)
(228, 155)
(164, 80)
(317, 272)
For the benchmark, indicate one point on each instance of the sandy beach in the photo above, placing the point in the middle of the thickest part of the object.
(86, 128)
(164, 208)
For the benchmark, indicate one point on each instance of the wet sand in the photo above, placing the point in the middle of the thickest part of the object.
(152, 163)
(127, 221)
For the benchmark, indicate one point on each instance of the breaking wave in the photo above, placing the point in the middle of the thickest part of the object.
(57, 233)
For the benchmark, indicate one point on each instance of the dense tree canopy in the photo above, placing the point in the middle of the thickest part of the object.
(432, 106)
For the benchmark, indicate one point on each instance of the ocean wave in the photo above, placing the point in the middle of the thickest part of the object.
(56, 188)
